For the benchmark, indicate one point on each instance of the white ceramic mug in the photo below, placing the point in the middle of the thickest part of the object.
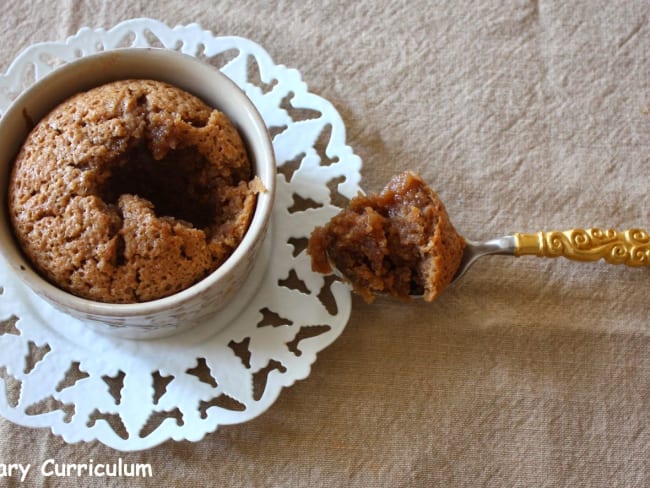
(184, 309)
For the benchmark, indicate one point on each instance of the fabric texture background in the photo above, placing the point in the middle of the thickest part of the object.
(524, 115)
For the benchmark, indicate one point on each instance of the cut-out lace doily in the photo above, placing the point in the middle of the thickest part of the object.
(130, 395)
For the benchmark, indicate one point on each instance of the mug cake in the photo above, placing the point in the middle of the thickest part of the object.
(131, 191)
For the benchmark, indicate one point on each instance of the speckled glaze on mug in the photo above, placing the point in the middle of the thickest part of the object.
(172, 314)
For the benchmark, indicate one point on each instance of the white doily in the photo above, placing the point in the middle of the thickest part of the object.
(132, 395)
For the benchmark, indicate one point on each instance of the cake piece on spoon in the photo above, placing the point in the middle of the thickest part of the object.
(398, 242)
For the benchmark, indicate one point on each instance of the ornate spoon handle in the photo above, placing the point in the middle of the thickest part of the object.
(629, 247)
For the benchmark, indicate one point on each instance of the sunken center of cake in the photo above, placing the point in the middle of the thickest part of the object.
(178, 185)
(130, 192)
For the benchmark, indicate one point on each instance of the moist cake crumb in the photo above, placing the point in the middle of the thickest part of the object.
(398, 242)
(130, 192)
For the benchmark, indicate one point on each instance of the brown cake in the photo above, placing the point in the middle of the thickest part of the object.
(399, 242)
(131, 191)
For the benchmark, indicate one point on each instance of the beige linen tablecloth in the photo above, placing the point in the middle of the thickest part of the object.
(524, 116)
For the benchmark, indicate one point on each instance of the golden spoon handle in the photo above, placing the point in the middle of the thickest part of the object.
(629, 247)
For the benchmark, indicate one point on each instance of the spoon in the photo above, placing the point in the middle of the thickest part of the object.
(630, 247)
(401, 242)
